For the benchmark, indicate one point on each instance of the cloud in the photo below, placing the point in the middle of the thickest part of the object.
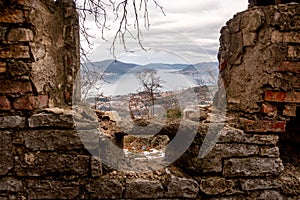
(190, 30)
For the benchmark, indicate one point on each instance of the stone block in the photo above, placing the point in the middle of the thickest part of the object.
(263, 126)
(259, 184)
(31, 102)
(216, 185)
(11, 184)
(2, 33)
(20, 35)
(213, 162)
(41, 164)
(3, 67)
(105, 188)
(269, 194)
(291, 37)
(181, 187)
(4, 103)
(290, 110)
(267, 151)
(11, 16)
(12, 122)
(232, 135)
(277, 37)
(96, 167)
(14, 51)
(51, 120)
(6, 153)
(49, 140)
(287, 66)
(294, 52)
(142, 188)
(254, 166)
(18, 68)
(52, 189)
(13, 87)
(285, 97)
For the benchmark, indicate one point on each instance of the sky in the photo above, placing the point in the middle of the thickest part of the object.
(188, 33)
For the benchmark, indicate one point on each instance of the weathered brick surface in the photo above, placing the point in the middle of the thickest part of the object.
(291, 37)
(12, 122)
(12, 16)
(287, 66)
(252, 167)
(11, 184)
(40, 164)
(2, 67)
(290, 110)
(18, 68)
(268, 151)
(31, 102)
(216, 185)
(260, 184)
(2, 33)
(286, 97)
(52, 189)
(213, 162)
(294, 52)
(185, 188)
(20, 35)
(105, 187)
(269, 109)
(4, 103)
(12, 87)
(6, 154)
(14, 51)
(263, 126)
(140, 188)
(232, 135)
(51, 120)
(49, 140)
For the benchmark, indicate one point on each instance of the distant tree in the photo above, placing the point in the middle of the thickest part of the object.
(151, 82)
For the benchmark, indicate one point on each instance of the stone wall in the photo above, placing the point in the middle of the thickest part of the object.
(46, 145)
(39, 54)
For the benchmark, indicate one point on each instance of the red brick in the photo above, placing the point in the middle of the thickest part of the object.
(269, 109)
(4, 103)
(31, 102)
(287, 66)
(287, 97)
(12, 87)
(263, 126)
(11, 16)
(290, 110)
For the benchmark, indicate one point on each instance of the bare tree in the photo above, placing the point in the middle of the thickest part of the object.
(102, 11)
(120, 10)
(151, 82)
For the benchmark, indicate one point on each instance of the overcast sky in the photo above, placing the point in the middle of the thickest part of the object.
(189, 33)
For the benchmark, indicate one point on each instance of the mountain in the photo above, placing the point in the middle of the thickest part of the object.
(118, 67)
(111, 66)
(204, 67)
